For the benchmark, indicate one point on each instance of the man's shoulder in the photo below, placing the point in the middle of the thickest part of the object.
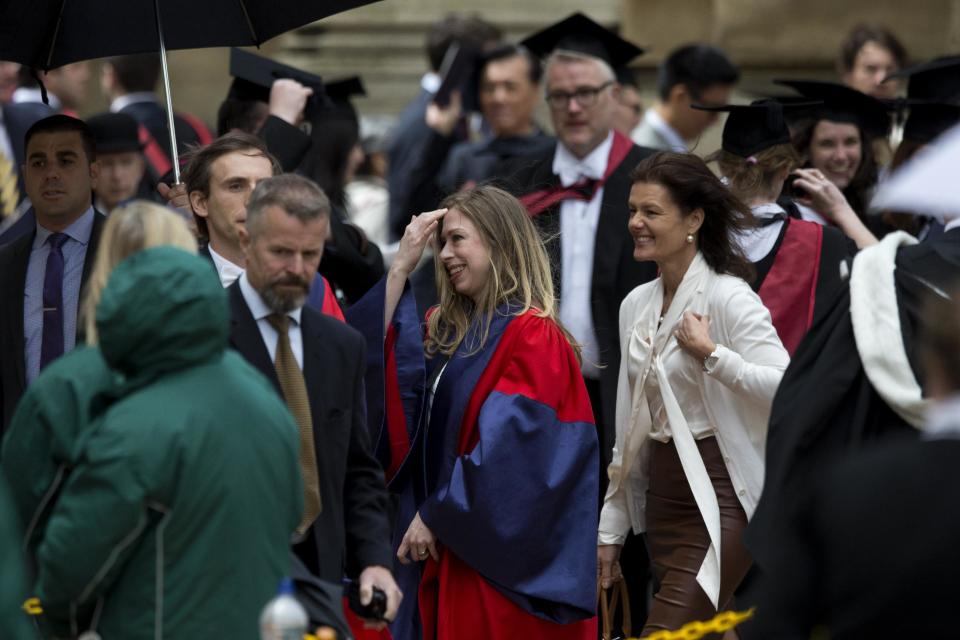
(329, 329)
(647, 136)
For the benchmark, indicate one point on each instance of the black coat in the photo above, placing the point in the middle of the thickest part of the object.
(875, 554)
(615, 272)
(352, 532)
(154, 118)
(826, 407)
(14, 259)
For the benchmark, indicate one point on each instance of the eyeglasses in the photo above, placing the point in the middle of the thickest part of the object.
(584, 96)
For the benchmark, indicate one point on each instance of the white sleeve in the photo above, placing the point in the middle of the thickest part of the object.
(753, 362)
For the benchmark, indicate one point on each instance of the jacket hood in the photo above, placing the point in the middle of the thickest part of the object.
(163, 309)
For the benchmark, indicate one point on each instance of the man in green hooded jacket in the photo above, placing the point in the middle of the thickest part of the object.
(177, 520)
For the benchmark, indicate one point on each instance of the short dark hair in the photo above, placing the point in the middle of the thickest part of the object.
(860, 35)
(137, 72)
(470, 30)
(507, 51)
(300, 197)
(198, 173)
(692, 186)
(60, 123)
(697, 67)
(240, 115)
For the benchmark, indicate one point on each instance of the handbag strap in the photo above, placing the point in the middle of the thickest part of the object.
(608, 609)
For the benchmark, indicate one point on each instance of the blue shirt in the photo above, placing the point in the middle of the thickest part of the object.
(74, 253)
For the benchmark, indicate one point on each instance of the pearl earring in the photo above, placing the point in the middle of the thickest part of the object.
(689, 238)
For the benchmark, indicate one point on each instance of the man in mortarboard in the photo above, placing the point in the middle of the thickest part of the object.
(577, 194)
(691, 74)
(122, 165)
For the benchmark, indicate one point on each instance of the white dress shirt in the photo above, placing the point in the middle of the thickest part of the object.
(30, 94)
(806, 213)
(757, 243)
(735, 396)
(668, 133)
(578, 232)
(260, 311)
(131, 98)
(228, 271)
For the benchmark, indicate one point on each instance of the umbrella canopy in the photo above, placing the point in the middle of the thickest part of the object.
(927, 184)
(45, 34)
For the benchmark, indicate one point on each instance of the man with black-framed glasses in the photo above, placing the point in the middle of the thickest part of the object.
(577, 194)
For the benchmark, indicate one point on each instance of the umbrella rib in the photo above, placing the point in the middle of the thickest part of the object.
(56, 32)
(253, 32)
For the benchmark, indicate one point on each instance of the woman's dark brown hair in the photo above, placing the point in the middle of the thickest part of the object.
(693, 186)
(864, 180)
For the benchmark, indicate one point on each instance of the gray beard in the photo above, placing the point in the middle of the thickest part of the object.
(280, 303)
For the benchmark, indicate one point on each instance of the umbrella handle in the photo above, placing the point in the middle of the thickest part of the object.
(171, 128)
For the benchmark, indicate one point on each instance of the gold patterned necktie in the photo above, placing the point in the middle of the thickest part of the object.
(9, 191)
(295, 393)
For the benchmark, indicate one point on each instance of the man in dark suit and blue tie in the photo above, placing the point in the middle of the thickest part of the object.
(42, 272)
(317, 364)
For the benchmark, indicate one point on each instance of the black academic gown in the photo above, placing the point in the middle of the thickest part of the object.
(615, 272)
(826, 408)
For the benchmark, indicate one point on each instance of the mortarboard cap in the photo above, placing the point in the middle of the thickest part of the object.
(928, 120)
(843, 104)
(580, 34)
(752, 128)
(937, 80)
(340, 91)
(115, 132)
(254, 75)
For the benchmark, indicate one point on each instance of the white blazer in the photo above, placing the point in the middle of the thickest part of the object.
(737, 395)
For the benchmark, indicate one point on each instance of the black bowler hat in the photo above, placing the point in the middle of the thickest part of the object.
(115, 132)
(843, 104)
(580, 34)
(752, 128)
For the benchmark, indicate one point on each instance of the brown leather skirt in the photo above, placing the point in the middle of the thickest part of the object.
(678, 540)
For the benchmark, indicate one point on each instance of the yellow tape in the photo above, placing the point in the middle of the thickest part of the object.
(32, 606)
(723, 621)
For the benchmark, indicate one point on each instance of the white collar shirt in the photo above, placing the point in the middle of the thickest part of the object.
(578, 230)
(668, 133)
(124, 101)
(260, 311)
(226, 270)
(757, 243)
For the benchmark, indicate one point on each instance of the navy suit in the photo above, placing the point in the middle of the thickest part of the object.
(412, 135)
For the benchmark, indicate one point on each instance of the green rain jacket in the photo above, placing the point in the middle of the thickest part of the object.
(177, 519)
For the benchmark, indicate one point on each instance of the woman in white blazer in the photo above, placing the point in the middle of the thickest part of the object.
(701, 362)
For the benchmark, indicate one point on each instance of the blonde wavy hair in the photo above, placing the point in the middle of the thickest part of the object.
(519, 272)
(130, 228)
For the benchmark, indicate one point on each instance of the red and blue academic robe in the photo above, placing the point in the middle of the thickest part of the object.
(502, 467)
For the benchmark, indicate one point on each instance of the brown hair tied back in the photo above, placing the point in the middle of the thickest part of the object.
(693, 186)
(757, 175)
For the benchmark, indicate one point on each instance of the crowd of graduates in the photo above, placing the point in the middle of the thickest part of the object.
(459, 377)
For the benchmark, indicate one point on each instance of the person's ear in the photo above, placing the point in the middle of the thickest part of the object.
(94, 174)
(198, 202)
(679, 95)
(695, 221)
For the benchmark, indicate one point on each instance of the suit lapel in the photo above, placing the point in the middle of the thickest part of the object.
(314, 358)
(245, 336)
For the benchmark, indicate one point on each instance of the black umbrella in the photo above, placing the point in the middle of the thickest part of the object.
(46, 34)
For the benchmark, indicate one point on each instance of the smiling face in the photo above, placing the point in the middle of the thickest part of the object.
(464, 254)
(232, 179)
(835, 149)
(582, 129)
(658, 227)
(58, 178)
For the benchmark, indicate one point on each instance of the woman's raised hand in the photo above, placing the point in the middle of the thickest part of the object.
(414, 241)
(693, 335)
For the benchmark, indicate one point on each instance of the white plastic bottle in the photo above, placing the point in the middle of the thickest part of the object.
(283, 618)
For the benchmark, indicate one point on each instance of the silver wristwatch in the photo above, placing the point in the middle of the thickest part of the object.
(711, 360)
